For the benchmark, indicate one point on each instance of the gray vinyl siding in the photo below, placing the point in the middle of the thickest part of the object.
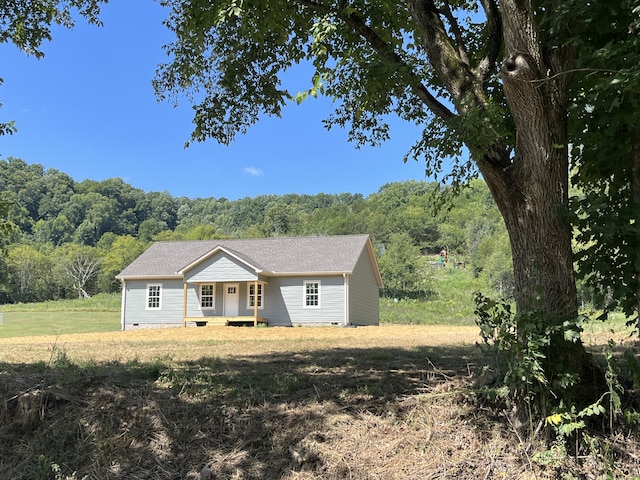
(364, 295)
(219, 268)
(284, 301)
(193, 301)
(171, 299)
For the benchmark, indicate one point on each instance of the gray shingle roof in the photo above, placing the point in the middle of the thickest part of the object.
(321, 254)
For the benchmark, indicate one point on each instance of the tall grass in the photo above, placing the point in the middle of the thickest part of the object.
(451, 304)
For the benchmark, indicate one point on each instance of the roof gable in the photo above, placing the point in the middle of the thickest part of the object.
(237, 255)
(219, 267)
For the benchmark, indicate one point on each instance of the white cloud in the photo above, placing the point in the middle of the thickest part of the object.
(253, 171)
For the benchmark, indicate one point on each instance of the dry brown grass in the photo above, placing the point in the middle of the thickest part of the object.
(181, 344)
(392, 402)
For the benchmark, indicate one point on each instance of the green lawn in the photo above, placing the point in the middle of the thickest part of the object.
(452, 304)
(98, 314)
(25, 324)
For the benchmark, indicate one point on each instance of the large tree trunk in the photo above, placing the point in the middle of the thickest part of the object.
(535, 203)
(529, 186)
(531, 191)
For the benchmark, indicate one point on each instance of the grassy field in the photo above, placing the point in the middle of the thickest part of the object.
(402, 401)
(451, 304)
(189, 344)
(392, 402)
(24, 324)
(97, 303)
(97, 314)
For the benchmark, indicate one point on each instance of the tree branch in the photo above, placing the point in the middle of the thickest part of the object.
(443, 56)
(319, 7)
(635, 195)
(494, 39)
(359, 26)
(455, 28)
(389, 54)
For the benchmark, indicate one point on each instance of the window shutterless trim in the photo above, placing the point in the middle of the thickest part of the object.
(153, 297)
(205, 296)
(311, 294)
(250, 286)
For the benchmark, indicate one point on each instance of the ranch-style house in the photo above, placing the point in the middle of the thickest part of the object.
(284, 281)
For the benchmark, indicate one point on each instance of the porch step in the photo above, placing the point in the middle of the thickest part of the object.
(223, 321)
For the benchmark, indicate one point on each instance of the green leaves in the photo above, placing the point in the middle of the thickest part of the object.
(404, 271)
(28, 23)
(527, 354)
(314, 91)
(8, 128)
(603, 125)
(230, 60)
(6, 226)
(233, 9)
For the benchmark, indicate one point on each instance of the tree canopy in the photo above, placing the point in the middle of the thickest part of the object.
(27, 24)
(489, 77)
(433, 63)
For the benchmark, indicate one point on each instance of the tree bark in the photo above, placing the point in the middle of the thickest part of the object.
(530, 188)
(532, 195)
(535, 205)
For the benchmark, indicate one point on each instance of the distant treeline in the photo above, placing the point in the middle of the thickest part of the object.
(71, 238)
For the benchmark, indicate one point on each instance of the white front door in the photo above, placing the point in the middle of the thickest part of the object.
(231, 299)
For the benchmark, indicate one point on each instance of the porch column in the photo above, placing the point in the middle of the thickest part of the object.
(184, 305)
(123, 306)
(347, 318)
(255, 303)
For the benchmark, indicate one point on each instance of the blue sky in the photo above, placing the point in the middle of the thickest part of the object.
(88, 109)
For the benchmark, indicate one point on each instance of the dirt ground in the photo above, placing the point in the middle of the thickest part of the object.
(391, 402)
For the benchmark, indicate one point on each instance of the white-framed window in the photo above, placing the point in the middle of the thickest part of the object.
(154, 296)
(311, 294)
(251, 296)
(207, 295)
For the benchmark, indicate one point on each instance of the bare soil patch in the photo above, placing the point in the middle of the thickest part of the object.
(391, 402)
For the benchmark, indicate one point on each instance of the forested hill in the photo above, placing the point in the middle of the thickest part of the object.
(108, 223)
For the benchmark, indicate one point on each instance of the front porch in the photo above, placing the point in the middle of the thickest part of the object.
(229, 312)
(223, 321)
